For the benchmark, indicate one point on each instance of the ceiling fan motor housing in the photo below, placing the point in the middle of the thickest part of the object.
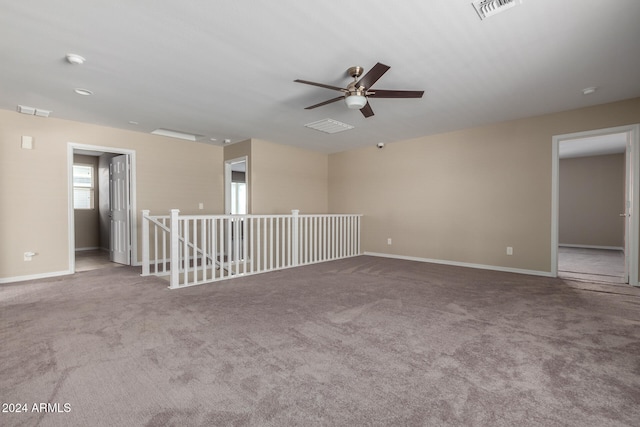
(355, 72)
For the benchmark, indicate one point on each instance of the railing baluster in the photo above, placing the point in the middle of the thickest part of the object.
(175, 248)
(258, 244)
(251, 244)
(277, 234)
(230, 253)
(214, 248)
(270, 243)
(221, 225)
(295, 244)
(289, 219)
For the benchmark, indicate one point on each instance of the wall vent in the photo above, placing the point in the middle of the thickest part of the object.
(487, 8)
(329, 126)
(33, 111)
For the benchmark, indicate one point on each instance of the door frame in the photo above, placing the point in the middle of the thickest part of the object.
(632, 184)
(71, 147)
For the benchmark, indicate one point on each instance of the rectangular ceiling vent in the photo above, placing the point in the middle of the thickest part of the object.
(487, 8)
(329, 126)
(176, 134)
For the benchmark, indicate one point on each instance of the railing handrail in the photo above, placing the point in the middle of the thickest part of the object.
(230, 216)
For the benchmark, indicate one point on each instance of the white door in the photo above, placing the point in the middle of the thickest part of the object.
(119, 210)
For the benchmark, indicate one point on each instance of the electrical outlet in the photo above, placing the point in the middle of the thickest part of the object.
(389, 241)
(509, 250)
(200, 205)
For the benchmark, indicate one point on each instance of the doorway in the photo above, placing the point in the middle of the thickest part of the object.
(101, 206)
(236, 182)
(594, 235)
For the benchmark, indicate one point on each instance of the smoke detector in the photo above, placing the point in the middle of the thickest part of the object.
(487, 8)
(74, 59)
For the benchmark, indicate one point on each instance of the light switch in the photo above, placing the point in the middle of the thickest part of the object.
(27, 142)
(200, 205)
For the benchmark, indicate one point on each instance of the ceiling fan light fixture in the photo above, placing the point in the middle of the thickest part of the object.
(355, 102)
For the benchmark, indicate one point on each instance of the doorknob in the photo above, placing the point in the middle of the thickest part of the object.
(623, 214)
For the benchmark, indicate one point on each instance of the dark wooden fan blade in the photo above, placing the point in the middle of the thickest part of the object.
(325, 102)
(379, 93)
(320, 85)
(373, 75)
(367, 111)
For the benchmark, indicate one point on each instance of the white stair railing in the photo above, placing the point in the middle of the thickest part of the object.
(197, 249)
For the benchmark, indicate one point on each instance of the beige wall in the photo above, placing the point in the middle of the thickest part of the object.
(34, 188)
(591, 200)
(285, 178)
(464, 196)
(461, 196)
(87, 221)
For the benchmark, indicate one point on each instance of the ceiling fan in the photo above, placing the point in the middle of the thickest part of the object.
(356, 93)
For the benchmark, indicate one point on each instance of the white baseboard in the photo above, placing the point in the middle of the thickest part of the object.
(608, 248)
(464, 264)
(34, 276)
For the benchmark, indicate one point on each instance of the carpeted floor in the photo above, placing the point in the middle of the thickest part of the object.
(591, 265)
(354, 342)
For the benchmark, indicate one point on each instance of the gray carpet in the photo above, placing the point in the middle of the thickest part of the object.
(356, 342)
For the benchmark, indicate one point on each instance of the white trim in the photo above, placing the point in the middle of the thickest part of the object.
(555, 202)
(464, 264)
(634, 211)
(35, 276)
(606, 248)
(71, 146)
(93, 248)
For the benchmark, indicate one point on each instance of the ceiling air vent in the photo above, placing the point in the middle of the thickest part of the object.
(329, 126)
(487, 8)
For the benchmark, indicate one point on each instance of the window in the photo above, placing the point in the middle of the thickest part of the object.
(83, 187)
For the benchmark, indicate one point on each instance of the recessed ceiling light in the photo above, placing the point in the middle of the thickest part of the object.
(131, 122)
(227, 141)
(214, 139)
(589, 90)
(74, 59)
(83, 92)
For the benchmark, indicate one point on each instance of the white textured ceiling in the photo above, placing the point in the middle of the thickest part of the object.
(225, 69)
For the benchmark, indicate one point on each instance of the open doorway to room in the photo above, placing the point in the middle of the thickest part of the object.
(102, 225)
(236, 186)
(594, 176)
